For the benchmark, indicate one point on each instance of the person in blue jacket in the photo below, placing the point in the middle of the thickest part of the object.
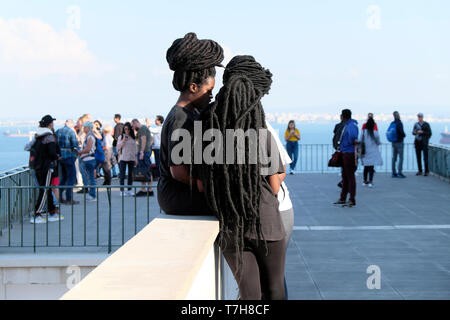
(347, 147)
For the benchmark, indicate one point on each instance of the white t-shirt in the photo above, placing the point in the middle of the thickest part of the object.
(283, 194)
(108, 141)
(156, 133)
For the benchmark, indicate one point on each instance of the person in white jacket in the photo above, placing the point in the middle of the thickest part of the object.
(285, 204)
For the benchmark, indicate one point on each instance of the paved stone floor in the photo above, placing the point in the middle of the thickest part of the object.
(85, 228)
(401, 225)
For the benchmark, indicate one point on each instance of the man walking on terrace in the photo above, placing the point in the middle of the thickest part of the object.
(347, 147)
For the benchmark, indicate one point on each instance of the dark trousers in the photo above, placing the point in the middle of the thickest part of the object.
(348, 177)
(157, 161)
(106, 166)
(68, 177)
(421, 146)
(123, 168)
(44, 178)
(261, 274)
(368, 173)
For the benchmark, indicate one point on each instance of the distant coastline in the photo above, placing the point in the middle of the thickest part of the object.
(277, 117)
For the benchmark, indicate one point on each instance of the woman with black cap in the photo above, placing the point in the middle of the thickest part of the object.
(44, 155)
(193, 62)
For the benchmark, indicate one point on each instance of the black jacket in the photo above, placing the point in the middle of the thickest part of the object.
(47, 152)
(337, 134)
(400, 132)
(118, 130)
(426, 135)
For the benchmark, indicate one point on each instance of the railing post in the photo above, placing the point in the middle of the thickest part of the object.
(108, 190)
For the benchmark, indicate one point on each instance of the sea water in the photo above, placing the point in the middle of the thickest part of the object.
(12, 152)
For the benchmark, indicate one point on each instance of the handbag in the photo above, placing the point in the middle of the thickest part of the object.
(142, 173)
(337, 159)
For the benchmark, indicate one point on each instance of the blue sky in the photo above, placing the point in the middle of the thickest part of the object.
(323, 54)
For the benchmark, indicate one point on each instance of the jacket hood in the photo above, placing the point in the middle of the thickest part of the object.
(43, 131)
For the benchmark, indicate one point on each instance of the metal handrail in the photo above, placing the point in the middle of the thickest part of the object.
(104, 226)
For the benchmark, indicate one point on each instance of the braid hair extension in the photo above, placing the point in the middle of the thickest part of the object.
(193, 60)
(233, 191)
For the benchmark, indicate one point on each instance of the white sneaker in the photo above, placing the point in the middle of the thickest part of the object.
(365, 184)
(89, 198)
(130, 193)
(37, 219)
(370, 185)
(123, 193)
(55, 217)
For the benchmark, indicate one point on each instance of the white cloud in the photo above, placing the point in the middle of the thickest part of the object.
(31, 47)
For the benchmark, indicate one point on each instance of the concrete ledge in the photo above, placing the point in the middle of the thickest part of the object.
(51, 260)
(161, 262)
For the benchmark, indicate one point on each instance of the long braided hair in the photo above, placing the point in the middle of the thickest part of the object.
(193, 60)
(233, 191)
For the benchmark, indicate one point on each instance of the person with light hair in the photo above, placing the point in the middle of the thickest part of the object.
(87, 160)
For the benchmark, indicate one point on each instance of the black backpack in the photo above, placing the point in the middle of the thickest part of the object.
(34, 162)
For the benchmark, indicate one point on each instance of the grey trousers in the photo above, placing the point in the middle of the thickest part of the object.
(397, 149)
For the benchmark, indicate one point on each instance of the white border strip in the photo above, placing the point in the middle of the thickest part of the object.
(393, 227)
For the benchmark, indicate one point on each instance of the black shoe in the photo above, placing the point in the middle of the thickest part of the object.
(350, 204)
(69, 202)
(419, 173)
(144, 194)
(340, 184)
(401, 175)
(339, 202)
(82, 191)
(426, 174)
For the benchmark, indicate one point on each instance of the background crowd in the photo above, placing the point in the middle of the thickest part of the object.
(78, 153)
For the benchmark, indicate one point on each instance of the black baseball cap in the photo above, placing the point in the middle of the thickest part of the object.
(46, 120)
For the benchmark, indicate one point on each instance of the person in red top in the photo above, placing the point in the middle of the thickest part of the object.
(370, 116)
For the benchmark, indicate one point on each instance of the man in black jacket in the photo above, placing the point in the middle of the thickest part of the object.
(422, 131)
(337, 139)
(397, 148)
(46, 154)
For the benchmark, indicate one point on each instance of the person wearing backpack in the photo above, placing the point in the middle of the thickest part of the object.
(422, 133)
(44, 161)
(396, 135)
(88, 161)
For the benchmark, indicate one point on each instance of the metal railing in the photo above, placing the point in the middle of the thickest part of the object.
(439, 160)
(18, 201)
(107, 222)
(314, 158)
